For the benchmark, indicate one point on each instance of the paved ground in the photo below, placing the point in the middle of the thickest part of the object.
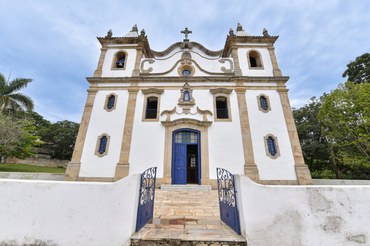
(187, 215)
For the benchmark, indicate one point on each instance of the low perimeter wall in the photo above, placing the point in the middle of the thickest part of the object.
(68, 213)
(303, 215)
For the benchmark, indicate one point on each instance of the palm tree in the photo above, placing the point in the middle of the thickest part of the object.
(12, 102)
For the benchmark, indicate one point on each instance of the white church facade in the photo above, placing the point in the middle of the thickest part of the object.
(188, 110)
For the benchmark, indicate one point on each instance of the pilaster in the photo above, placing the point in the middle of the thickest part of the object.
(237, 70)
(122, 168)
(99, 69)
(302, 171)
(250, 167)
(276, 70)
(73, 167)
(136, 71)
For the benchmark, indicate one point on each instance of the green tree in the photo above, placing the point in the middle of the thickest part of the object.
(11, 101)
(315, 148)
(60, 138)
(345, 119)
(17, 138)
(358, 71)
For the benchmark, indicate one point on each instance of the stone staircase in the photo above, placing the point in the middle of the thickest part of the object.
(186, 215)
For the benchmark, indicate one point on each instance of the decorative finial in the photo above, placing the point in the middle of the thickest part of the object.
(109, 34)
(231, 32)
(265, 32)
(142, 33)
(134, 28)
(186, 32)
(239, 28)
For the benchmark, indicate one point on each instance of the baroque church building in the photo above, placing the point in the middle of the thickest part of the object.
(188, 110)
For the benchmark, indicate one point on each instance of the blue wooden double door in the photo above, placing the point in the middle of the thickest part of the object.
(186, 157)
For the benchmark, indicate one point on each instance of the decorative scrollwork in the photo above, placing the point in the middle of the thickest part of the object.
(150, 69)
(224, 69)
(226, 187)
(147, 185)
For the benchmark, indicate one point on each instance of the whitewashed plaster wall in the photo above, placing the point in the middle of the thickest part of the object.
(303, 215)
(225, 142)
(224, 138)
(109, 58)
(68, 213)
(111, 123)
(266, 61)
(272, 122)
(147, 143)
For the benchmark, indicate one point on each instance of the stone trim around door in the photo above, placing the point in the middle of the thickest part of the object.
(192, 124)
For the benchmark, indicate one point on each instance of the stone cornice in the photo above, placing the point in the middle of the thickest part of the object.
(232, 40)
(141, 79)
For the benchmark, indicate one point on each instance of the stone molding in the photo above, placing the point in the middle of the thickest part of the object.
(98, 145)
(106, 102)
(276, 146)
(259, 103)
(73, 167)
(302, 171)
(122, 168)
(250, 167)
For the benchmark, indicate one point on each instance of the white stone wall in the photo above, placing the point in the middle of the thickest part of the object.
(266, 62)
(111, 123)
(272, 122)
(68, 213)
(303, 215)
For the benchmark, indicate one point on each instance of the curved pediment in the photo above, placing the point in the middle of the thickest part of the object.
(188, 45)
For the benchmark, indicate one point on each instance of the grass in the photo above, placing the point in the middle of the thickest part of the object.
(30, 168)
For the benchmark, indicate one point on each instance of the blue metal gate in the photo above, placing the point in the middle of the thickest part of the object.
(146, 197)
(227, 198)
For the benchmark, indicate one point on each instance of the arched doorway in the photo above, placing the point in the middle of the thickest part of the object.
(186, 161)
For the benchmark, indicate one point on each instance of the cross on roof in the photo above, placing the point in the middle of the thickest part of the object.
(186, 32)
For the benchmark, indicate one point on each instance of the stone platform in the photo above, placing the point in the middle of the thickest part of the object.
(186, 217)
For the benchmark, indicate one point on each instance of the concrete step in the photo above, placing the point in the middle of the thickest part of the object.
(187, 187)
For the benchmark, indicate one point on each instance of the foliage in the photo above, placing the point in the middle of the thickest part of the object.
(60, 137)
(345, 115)
(358, 71)
(30, 168)
(315, 148)
(11, 101)
(17, 138)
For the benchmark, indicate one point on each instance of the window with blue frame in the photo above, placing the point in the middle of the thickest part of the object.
(186, 97)
(102, 145)
(272, 148)
(111, 101)
(264, 103)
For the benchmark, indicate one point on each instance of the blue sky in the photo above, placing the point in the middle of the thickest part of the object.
(54, 42)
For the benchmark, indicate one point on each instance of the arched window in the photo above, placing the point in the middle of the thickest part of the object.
(111, 100)
(186, 97)
(102, 145)
(221, 108)
(119, 60)
(263, 103)
(151, 108)
(272, 148)
(254, 59)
